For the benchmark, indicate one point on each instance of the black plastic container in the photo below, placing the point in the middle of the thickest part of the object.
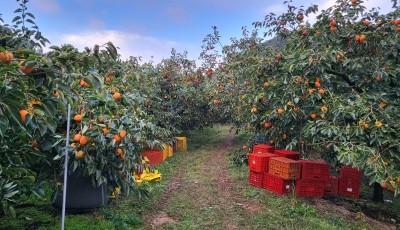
(82, 196)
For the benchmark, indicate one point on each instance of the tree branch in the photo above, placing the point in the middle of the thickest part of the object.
(346, 79)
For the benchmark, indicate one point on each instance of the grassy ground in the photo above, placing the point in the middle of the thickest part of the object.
(202, 189)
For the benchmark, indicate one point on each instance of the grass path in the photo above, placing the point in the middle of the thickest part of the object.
(202, 190)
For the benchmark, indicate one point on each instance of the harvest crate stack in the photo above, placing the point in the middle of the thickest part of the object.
(258, 163)
(282, 171)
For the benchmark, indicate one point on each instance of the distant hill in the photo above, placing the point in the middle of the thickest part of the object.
(275, 42)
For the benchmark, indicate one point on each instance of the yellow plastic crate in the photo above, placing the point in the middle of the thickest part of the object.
(170, 151)
(165, 151)
(181, 144)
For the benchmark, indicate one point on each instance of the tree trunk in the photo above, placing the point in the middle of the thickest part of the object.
(378, 193)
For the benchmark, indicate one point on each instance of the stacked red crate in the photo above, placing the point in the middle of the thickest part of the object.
(332, 186)
(155, 157)
(314, 170)
(258, 162)
(263, 148)
(277, 184)
(314, 175)
(350, 182)
(256, 178)
(287, 153)
(307, 187)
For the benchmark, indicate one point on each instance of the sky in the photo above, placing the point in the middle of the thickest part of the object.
(151, 28)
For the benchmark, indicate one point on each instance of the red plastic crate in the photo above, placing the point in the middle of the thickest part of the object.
(256, 178)
(332, 185)
(350, 182)
(349, 187)
(287, 153)
(349, 172)
(307, 187)
(155, 157)
(258, 162)
(315, 170)
(284, 168)
(277, 184)
(263, 148)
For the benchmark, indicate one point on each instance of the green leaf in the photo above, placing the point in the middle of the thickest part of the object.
(16, 19)
(3, 125)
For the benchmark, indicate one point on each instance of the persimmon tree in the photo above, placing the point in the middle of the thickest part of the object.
(35, 89)
(333, 86)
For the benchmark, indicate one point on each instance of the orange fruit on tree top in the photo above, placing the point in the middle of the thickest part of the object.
(382, 104)
(324, 108)
(79, 154)
(332, 23)
(77, 137)
(119, 151)
(267, 125)
(117, 96)
(105, 131)
(313, 115)
(378, 124)
(357, 38)
(101, 119)
(6, 57)
(117, 138)
(363, 38)
(122, 133)
(73, 145)
(278, 56)
(83, 83)
(280, 111)
(317, 84)
(23, 114)
(266, 84)
(78, 117)
(366, 22)
(108, 79)
(378, 78)
(321, 91)
(25, 69)
(254, 110)
(300, 17)
(354, 2)
(84, 140)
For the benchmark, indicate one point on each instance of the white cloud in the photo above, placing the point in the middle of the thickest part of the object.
(47, 5)
(385, 6)
(129, 44)
(277, 9)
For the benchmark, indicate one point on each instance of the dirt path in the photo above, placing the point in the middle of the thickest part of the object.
(203, 188)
